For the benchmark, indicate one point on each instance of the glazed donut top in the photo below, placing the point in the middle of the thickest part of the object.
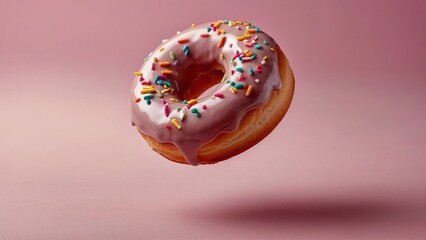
(244, 55)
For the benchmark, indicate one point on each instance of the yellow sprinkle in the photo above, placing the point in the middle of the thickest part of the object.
(265, 57)
(233, 90)
(249, 54)
(155, 59)
(175, 123)
(249, 89)
(243, 37)
(165, 90)
(218, 23)
(231, 23)
(161, 49)
(246, 24)
(238, 22)
(192, 101)
(172, 99)
(222, 56)
(247, 32)
(246, 51)
(167, 71)
(151, 90)
(138, 74)
(193, 25)
(272, 49)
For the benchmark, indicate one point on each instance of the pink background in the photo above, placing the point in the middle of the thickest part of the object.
(347, 162)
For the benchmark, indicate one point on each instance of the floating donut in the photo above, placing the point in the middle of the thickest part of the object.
(211, 92)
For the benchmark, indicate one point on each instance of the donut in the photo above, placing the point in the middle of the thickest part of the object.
(211, 92)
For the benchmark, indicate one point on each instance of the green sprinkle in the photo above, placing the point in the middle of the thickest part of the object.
(172, 55)
(185, 48)
(257, 46)
(239, 85)
(184, 101)
(253, 57)
(186, 52)
(195, 112)
(266, 42)
(232, 83)
(209, 29)
(258, 30)
(160, 82)
(156, 79)
(167, 83)
(148, 101)
(160, 94)
(234, 63)
(238, 69)
(228, 82)
(178, 109)
(148, 96)
(225, 21)
(251, 71)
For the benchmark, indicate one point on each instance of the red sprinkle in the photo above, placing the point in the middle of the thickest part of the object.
(205, 35)
(219, 95)
(146, 82)
(258, 70)
(167, 126)
(163, 77)
(166, 109)
(242, 78)
(137, 100)
(232, 72)
(204, 107)
(141, 79)
(153, 67)
(183, 40)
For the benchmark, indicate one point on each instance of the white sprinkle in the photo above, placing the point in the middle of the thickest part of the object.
(181, 116)
(263, 62)
(256, 80)
(255, 37)
(164, 40)
(178, 32)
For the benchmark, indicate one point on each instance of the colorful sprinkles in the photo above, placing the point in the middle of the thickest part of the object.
(247, 62)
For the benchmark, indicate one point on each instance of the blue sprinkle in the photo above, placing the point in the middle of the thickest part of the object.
(257, 46)
(185, 48)
(266, 42)
(184, 102)
(167, 83)
(232, 83)
(258, 30)
(209, 29)
(253, 57)
(238, 69)
(160, 82)
(187, 52)
(148, 101)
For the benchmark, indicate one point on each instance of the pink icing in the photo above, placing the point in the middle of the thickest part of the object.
(218, 109)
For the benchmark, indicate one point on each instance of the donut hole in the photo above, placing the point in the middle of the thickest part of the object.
(199, 80)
